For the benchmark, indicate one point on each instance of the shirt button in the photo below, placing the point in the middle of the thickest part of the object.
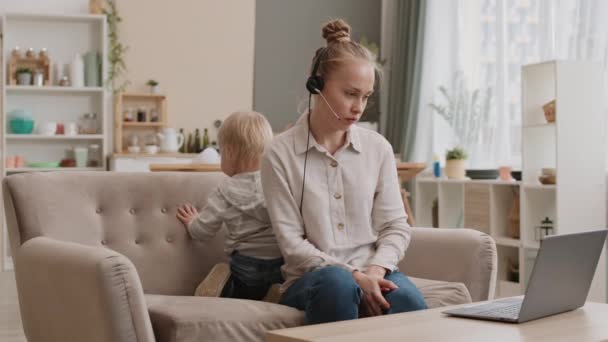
(337, 196)
(340, 226)
(334, 163)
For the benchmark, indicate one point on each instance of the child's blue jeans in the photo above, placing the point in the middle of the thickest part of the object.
(252, 277)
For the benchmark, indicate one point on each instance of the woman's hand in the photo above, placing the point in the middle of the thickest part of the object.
(187, 213)
(372, 283)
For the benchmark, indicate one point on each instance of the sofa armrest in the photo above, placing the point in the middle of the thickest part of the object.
(457, 255)
(74, 292)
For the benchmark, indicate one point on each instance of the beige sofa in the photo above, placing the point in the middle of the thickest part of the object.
(101, 257)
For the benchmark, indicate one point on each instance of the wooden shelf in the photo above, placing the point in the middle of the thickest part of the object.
(53, 89)
(160, 154)
(54, 137)
(185, 167)
(467, 181)
(142, 124)
(39, 169)
(551, 187)
(62, 18)
(144, 96)
(533, 245)
(506, 241)
(61, 35)
(125, 100)
(545, 125)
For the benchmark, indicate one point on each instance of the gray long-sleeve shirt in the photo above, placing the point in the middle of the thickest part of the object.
(352, 215)
(239, 203)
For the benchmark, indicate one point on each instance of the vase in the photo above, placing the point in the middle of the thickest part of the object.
(77, 71)
(96, 6)
(454, 169)
(92, 69)
(24, 78)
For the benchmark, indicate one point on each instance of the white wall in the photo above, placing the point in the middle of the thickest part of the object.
(287, 34)
(201, 52)
(44, 6)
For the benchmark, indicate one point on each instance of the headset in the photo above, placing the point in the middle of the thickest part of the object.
(314, 85)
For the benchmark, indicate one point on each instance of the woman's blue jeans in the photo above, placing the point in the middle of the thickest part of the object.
(330, 294)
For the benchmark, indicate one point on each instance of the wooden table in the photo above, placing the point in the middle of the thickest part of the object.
(185, 167)
(585, 324)
(406, 172)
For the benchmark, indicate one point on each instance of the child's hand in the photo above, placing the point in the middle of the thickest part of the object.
(187, 213)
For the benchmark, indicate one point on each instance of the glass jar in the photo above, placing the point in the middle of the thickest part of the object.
(88, 124)
(154, 115)
(94, 156)
(151, 139)
(127, 115)
(134, 140)
(142, 114)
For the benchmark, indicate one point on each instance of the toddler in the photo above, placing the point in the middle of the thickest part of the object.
(238, 202)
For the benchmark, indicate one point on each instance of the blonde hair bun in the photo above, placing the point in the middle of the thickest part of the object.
(336, 31)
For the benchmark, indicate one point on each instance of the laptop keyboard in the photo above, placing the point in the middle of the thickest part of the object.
(511, 311)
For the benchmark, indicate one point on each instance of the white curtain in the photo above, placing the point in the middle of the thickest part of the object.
(478, 46)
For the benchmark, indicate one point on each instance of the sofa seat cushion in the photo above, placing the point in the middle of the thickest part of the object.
(185, 319)
(442, 293)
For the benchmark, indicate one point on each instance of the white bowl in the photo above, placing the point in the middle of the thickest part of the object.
(208, 156)
(151, 149)
(133, 149)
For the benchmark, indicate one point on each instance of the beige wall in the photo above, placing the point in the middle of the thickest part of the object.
(201, 52)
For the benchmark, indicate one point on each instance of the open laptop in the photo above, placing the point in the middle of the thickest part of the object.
(559, 282)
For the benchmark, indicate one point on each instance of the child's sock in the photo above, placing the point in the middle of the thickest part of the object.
(274, 294)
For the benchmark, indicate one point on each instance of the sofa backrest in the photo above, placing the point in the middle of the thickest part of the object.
(131, 213)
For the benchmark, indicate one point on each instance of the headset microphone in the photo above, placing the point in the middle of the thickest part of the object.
(328, 105)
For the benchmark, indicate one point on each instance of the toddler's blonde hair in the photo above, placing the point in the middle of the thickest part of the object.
(244, 135)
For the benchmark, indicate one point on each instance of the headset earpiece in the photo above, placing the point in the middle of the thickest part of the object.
(315, 82)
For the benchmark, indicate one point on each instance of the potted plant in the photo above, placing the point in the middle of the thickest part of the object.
(154, 87)
(454, 163)
(24, 76)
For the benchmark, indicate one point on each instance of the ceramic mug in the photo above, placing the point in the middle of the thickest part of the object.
(47, 128)
(71, 128)
(81, 155)
(151, 149)
(505, 173)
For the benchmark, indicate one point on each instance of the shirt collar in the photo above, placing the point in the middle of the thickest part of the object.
(301, 135)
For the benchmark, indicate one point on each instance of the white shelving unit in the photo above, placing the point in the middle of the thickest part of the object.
(63, 36)
(573, 145)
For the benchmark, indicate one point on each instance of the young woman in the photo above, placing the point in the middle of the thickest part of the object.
(333, 197)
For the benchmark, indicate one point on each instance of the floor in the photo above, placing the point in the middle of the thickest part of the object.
(10, 321)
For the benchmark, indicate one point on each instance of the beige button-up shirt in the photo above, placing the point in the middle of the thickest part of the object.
(352, 212)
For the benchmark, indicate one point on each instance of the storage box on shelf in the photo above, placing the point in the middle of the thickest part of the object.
(50, 118)
(568, 133)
